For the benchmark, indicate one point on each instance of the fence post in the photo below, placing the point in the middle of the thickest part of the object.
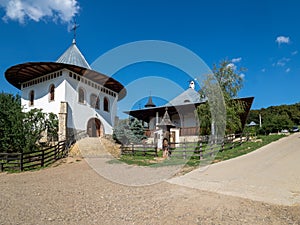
(201, 150)
(1, 167)
(68, 145)
(65, 148)
(55, 151)
(132, 148)
(21, 161)
(42, 160)
(184, 150)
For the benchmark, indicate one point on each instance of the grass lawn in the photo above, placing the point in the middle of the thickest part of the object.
(193, 162)
(247, 147)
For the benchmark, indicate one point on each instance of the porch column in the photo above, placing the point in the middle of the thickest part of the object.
(156, 120)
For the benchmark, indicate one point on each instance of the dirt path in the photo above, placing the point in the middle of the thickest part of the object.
(270, 174)
(75, 194)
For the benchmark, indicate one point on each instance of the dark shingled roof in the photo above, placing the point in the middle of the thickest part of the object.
(150, 103)
(71, 59)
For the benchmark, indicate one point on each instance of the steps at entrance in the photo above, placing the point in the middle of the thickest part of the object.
(91, 147)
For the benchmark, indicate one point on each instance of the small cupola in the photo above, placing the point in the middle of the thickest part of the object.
(150, 103)
(192, 84)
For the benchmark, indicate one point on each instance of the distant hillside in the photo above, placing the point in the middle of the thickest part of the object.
(275, 118)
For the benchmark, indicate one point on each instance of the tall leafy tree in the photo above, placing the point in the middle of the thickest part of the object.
(19, 131)
(34, 124)
(11, 123)
(52, 127)
(230, 80)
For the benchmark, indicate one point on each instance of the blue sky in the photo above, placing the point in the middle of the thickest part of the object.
(262, 36)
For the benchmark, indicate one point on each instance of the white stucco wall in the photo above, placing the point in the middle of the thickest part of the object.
(182, 120)
(80, 114)
(66, 90)
(188, 120)
(41, 95)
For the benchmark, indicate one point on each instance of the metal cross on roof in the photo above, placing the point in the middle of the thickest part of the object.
(74, 28)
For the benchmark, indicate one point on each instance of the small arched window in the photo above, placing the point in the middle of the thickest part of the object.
(97, 106)
(81, 95)
(94, 101)
(31, 98)
(106, 104)
(51, 92)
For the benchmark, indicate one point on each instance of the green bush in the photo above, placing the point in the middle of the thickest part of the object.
(133, 133)
(20, 131)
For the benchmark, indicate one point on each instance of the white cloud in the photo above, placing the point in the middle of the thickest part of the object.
(242, 75)
(236, 60)
(36, 10)
(283, 40)
(288, 70)
(294, 53)
(282, 62)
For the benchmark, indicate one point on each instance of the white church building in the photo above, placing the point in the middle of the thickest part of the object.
(84, 100)
(176, 120)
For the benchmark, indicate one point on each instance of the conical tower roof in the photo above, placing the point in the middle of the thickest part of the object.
(73, 56)
(150, 103)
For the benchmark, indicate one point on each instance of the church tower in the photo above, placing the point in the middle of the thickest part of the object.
(85, 100)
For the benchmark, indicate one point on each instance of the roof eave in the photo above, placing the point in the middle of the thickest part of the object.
(18, 74)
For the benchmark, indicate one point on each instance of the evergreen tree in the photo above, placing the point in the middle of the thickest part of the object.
(121, 132)
(138, 132)
(133, 133)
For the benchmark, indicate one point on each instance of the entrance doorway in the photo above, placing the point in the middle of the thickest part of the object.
(94, 128)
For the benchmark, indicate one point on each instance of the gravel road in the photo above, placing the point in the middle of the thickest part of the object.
(270, 174)
(73, 193)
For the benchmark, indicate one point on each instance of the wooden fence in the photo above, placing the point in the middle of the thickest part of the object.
(139, 149)
(35, 159)
(200, 149)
